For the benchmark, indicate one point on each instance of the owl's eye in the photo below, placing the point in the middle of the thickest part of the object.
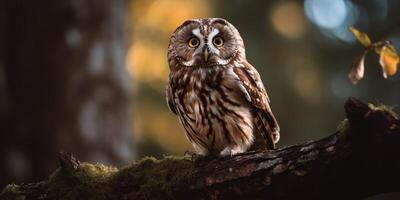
(193, 42)
(218, 41)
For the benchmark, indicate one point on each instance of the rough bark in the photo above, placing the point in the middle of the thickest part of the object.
(63, 84)
(359, 160)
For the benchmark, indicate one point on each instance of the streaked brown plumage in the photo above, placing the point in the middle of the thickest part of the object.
(217, 95)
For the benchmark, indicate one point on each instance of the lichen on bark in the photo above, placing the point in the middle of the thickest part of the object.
(11, 192)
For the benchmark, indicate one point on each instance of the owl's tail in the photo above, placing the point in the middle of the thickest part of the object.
(268, 127)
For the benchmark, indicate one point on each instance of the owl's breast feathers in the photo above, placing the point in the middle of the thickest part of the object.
(221, 107)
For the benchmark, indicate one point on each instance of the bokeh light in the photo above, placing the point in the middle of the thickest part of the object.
(326, 13)
(333, 17)
(288, 19)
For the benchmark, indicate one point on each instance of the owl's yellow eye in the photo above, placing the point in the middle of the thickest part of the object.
(193, 42)
(218, 41)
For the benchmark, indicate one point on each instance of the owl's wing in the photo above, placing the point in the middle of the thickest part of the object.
(255, 93)
(170, 98)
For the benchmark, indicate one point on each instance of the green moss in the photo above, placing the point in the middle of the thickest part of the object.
(157, 175)
(343, 128)
(343, 125)
(96, 182)
(385, 108)
(89, 181)
(154, 179)
(11, 192)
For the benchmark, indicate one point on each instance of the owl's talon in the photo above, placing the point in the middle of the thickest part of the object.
(189, 153)
(197, 158)
(276, 136)
(192, 155)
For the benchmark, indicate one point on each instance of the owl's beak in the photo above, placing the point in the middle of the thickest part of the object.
(205, 54)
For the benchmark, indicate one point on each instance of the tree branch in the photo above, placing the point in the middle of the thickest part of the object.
(359, 160)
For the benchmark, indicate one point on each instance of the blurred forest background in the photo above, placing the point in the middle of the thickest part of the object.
(88, 76)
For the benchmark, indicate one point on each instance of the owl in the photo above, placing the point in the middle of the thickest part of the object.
(217, 95)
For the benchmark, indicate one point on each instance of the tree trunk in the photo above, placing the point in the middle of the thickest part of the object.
(359, 160)
(63, 84)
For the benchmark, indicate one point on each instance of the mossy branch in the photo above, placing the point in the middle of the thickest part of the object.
(359, 160)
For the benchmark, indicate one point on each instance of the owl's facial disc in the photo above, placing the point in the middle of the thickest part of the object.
(206, 43)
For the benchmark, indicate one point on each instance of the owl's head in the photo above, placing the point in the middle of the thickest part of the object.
(205, 43)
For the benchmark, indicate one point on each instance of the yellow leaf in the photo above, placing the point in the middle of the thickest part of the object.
(378, 46)
(357, 70)
(388, 60)
(362, 37)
